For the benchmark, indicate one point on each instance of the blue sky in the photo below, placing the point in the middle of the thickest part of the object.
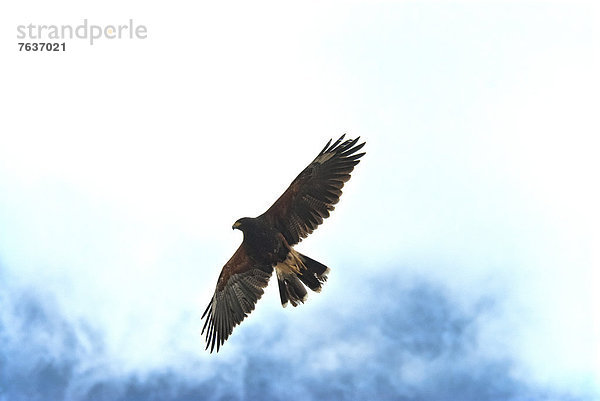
(463, 253)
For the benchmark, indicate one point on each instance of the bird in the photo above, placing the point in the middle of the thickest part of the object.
(269, 239)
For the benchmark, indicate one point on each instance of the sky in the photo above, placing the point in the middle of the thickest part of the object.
(464, 252)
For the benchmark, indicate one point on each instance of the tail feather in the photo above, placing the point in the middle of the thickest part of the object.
(315, 273)
(291, 289)
(295, 271)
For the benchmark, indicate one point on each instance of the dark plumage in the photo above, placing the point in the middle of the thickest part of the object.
(268, 241)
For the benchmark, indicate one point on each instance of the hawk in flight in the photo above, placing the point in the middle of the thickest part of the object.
(269, 240)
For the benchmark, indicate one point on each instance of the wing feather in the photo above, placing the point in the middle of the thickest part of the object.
(240, 286)
(312, 195)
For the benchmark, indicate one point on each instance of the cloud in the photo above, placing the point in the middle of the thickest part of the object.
(412, 341)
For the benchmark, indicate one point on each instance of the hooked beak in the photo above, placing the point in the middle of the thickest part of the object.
(235, 225)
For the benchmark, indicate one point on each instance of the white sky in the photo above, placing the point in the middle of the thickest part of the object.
(124, 164)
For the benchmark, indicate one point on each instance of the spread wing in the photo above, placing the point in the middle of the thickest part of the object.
(311, 196)
(239, 287)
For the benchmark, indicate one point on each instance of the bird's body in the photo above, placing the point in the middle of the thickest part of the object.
(264, 243)
(269, 240)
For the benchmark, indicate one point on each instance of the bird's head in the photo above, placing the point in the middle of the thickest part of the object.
(241, 224)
